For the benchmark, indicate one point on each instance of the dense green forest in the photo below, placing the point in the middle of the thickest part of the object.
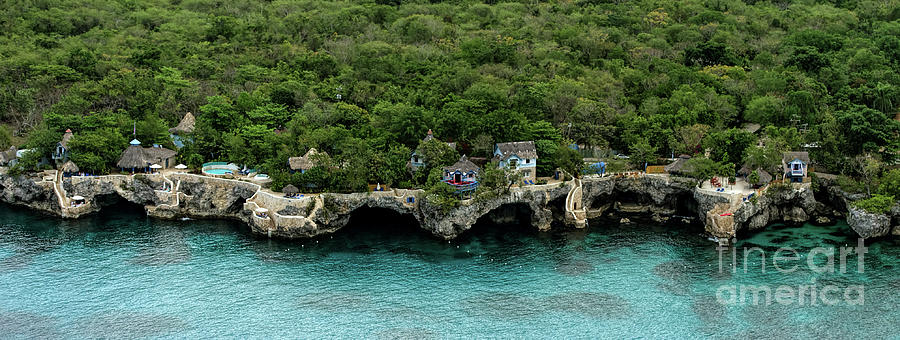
(364, 80)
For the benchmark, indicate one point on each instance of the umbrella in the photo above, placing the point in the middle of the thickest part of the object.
(78, 198)
(69, 167)
(156, 166)
(262, 210)
(290, 189)
(181, 167)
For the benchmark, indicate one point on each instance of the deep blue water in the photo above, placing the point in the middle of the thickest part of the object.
(123, 275)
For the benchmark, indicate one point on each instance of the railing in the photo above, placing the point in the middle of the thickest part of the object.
(461, 188)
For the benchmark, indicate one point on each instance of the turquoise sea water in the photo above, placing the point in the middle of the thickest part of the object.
(125, 275)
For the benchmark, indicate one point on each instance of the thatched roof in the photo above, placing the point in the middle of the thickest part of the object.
(790, 156)
(69, 167)
(185, 126)
(132, 157)
(137, 157)
(764, 177)
(678, 166)
(520, 149)
(65, 138)
(290, 189)
(463, 166)
(752, 127)
(306, 162)
(158, 154)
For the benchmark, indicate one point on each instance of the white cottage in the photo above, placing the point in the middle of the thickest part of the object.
(520, 156)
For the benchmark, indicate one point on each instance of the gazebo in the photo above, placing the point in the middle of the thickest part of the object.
(290, 190)
(133, 157)
(462, 175)
(68, 168)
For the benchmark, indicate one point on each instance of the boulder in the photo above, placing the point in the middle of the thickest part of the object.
(869, 225)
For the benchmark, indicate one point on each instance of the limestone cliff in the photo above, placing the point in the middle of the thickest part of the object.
(537, 206)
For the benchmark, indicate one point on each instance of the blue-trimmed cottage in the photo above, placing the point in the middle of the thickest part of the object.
(796, 166)
(462, 175)
(519, 156)
(61, 152)
(416, 159)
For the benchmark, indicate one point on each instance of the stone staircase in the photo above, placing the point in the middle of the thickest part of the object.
(575, 212)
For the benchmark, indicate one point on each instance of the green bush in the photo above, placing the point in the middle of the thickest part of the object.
(877, 204)
(850, 185)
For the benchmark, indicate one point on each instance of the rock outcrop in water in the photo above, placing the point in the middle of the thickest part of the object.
(868, 225)
(541, 206)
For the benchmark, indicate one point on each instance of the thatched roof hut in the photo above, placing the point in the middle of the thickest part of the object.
(136, 157)
(764, 177)
(290, 189)
(185, 126)
(158, 154)
(306, 162)
(69, 167)
(678, 166)
(132, 157)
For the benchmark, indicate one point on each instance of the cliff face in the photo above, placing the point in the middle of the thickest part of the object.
(24, 191)
(184, 195)
(786, 204)
(533, 201)
(656, 194)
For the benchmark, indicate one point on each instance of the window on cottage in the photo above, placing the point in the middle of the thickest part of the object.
(512, 162)
(527, 161)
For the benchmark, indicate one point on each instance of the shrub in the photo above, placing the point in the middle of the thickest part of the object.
(849, 185)
(877, 204)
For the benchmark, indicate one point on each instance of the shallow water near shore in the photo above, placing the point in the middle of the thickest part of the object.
(122, 274)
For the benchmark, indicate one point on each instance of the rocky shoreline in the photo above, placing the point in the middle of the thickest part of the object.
(181, 195)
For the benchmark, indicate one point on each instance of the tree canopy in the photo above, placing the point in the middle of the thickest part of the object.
(363, 80)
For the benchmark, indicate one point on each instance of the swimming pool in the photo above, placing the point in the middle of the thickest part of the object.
(219, 171)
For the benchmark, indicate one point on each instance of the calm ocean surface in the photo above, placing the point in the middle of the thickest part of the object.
(123, 275)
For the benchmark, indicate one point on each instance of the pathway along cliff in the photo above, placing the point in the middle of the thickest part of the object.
(661, 197)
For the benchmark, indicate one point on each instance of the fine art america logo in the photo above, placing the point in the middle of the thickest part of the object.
(787, 260)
